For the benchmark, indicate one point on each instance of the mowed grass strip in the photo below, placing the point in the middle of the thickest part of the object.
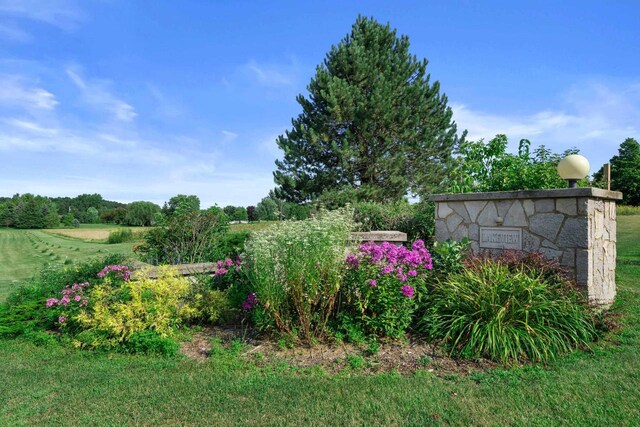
(23, 253)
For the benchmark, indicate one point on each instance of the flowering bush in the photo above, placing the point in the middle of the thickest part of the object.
(295, 269)
(382, 284)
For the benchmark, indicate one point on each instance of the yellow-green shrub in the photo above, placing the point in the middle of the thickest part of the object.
(118, 312)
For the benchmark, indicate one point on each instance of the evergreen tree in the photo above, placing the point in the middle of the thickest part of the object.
(372, 122)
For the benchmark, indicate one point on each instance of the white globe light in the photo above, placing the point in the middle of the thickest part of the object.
(573, 167)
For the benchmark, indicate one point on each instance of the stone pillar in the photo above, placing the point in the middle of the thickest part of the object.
(576, 226)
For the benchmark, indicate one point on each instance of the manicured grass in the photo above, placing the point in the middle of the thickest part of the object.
(24, 252)
(50, 385)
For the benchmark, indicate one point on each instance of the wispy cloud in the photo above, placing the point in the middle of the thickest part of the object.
(18, 91)
(12, 32)
(64, 14)
(595, 117)
(97, 94)
(271, 75)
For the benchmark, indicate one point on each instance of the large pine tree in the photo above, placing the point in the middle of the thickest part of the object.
(372, 122)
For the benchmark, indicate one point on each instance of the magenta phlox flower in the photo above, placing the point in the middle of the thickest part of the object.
(62, 319)
(412, 273)
(373, 283)
(123, 271)
(352, 260)
(228, 262)
(52, 301)
(387, 269)
(221, 271)
(250, 302)
(407, 291)
(219, 264)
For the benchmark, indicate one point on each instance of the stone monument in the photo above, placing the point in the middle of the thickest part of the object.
(576, 226)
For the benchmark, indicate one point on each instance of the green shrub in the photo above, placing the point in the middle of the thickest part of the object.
(121, 235)
(417, 220)
(449, 256)
(25, 309)
(295, 269)
(627, 210)
(490, 311)
(150, 342)
(117, 311)
(230, 244)
(184, 238)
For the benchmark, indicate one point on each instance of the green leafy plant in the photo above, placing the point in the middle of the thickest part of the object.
(296, 269)
(25, 308)
(449, 256)
(185, 237)
(490, 311)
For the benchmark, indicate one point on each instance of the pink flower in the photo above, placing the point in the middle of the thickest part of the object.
(373, 283)
(221, 271)
(77, 298)
(52, 301)
(412, 273)
(228, 262)
(62, 319)
(407, 291)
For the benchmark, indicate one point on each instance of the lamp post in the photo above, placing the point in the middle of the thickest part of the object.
(573, 168)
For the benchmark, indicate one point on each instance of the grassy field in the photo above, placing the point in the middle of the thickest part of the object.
(24, 252)
(60, 386)
(91, 232)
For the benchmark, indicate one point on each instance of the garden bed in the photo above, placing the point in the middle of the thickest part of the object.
(405, 357)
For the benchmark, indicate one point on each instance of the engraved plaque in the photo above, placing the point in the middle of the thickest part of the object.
(501, 238)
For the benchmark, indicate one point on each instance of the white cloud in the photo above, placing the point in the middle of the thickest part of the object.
(63, 14)
(594, 117)
(97, 94)
(17, 91)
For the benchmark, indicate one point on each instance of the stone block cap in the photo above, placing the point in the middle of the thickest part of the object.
(379, 236)
(596, 193)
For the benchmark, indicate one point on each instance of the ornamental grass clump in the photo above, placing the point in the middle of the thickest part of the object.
(506, 315)
(295, 269)
(382, 285)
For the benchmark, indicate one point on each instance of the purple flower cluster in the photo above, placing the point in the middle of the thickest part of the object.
(70, 294)
(225, 266)
(407, 291)
(122, 270)
(389, 254)
(389, 259)
(250, 302)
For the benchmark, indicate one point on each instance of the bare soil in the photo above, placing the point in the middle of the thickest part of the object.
(408, 356)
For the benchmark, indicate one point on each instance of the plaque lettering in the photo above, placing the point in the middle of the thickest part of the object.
(501, 238)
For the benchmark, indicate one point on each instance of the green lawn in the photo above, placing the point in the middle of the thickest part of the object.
(24, 252)
(61, 386)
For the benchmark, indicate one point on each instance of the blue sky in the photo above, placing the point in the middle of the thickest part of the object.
(141, 100)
